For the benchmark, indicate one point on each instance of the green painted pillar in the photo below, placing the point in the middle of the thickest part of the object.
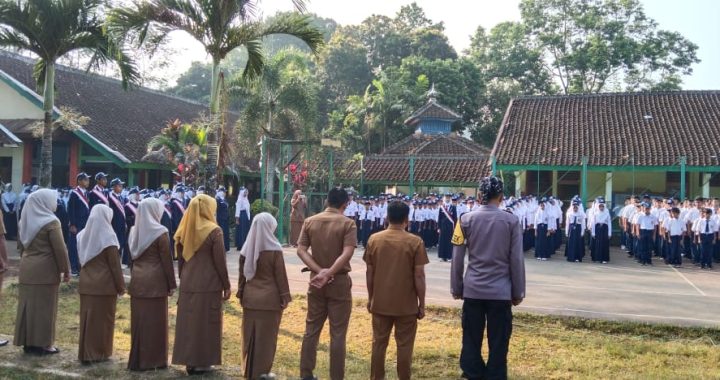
(264, 168)
(583, 180)
(362, 175)
(683, 164)
(412, 175)
(331, 177)
(131, 178)
(281, 195)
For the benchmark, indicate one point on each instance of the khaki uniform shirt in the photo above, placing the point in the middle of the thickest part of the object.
(394, 254)
(102, 276)
(269, 287)
(152, 274)
(207, 271)
(327, 233)
(46, 257)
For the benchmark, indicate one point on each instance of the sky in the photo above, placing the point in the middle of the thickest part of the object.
(697, 20)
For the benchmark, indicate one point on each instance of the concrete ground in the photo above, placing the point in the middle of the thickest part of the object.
(620, 290)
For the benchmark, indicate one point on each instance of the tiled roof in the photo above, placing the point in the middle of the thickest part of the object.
(619, 129)
(438, 159)
(420, 144)
(122, 120)
(432, 109)
(7, 138)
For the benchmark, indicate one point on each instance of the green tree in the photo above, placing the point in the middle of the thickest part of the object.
(510, 67)
(221, 26)
(183, 145)
(281, 104)
(50, 29)
(588, 43)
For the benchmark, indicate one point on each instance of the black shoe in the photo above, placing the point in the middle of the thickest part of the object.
(4, 343)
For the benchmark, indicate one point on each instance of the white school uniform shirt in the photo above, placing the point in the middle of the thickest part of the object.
(674, 227)
(692, 215)
(574, 217)
(701, 223)
(544, 217)
(461, 209)
(626, 211)
(601, 217)
(647, 222)
(352, 209)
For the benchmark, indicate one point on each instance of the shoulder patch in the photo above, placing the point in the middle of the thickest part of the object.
(458, 237)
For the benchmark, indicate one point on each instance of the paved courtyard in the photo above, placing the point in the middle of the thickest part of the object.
(621, 290)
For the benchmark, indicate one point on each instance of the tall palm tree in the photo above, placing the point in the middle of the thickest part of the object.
(281, 104)
(221, 26)
(51, 29)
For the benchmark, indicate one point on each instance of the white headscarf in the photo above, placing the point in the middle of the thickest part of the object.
(39, 210)
(242, 203)
(147, 226)
(261, 237)
(97, 235)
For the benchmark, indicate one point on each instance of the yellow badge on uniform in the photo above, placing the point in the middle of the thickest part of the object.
(458, 237)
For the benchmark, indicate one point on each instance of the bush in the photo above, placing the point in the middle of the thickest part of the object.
(261, 205)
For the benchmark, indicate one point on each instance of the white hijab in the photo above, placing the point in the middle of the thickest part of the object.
(260, 238)
(39, 210)
(147, 226)
(97, 235)
(242, 204)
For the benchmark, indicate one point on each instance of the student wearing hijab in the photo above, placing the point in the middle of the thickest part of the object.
(44, 260)
(9, 203)
(575, 229)
(101, 282)
(242, 218)
(297, 216)
(264, 293)
(204, 284)
(601, 230)
(223, 216)
(152, 281)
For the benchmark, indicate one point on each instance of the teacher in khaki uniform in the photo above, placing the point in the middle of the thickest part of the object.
(332, 238)
(204, 285)
(44, 261)
(396, 262)
(493, 282)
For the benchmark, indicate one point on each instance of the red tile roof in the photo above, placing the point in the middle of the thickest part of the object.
(439, 159)
(432, 109)
(618, 129)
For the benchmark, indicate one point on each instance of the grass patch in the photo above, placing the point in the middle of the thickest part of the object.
(542, 346)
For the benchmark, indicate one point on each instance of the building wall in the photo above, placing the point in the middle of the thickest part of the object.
(15, 106)
(17, 165)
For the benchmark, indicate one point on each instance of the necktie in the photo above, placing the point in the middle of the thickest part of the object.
(707, 226)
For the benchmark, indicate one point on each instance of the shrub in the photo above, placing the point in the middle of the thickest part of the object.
(261, 205)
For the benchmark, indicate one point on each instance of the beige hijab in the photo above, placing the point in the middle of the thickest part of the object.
(39, 211)
(261, 237)
(147, 226)
(97, 235)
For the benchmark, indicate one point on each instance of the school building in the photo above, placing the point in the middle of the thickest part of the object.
(433, 158)
(114, 139)
(612, 145)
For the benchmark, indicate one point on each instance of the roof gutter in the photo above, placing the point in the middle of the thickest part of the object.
(11, 136)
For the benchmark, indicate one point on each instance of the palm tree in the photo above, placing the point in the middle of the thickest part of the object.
(221, 26)
(184, 145)
(281, 104)
(51, 29)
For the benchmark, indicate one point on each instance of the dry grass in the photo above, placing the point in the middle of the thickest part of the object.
(542, 347)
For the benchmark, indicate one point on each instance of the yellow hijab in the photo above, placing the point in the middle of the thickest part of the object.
(195, 226)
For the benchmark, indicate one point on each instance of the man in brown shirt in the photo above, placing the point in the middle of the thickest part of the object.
(396, 262)
(332, 239)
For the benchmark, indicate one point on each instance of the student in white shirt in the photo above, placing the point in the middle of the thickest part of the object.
(646, 230)
(705, 236)
(574, 229)
(601, 231)
(544, 229)
(675, 228)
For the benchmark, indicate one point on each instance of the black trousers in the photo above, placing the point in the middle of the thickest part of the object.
(497, 315)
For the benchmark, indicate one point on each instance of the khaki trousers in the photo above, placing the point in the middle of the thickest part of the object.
(333, 302)
(405, 330)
